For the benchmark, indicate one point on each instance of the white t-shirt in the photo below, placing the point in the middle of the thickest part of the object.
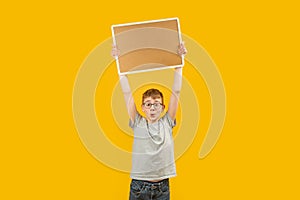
(153, 148)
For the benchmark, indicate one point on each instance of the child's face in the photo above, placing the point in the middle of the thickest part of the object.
(152, 108)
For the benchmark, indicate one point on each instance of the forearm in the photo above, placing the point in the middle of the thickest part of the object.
(177, 81)
(173, 104)
(131, 108)
(124, 84)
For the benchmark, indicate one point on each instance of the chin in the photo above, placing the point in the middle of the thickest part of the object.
(153, 118)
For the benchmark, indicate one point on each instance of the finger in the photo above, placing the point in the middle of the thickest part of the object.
(183, 51)
(114, 46)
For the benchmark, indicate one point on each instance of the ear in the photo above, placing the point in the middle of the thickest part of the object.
(142, 108)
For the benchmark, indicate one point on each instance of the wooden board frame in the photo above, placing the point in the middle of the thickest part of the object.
(147, 45)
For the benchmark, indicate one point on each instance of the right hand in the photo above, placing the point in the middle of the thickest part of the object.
(115, 52)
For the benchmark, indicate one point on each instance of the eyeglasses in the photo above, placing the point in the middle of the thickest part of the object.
(149, 105)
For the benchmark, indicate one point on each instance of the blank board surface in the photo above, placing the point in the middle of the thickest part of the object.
(147, 46)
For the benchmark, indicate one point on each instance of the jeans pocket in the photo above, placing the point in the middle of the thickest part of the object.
(136, 188)
(165, 188)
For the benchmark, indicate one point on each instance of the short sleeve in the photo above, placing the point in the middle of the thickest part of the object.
(132, 124)
(169, 120)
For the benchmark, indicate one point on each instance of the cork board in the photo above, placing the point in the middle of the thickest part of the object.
(147, 46)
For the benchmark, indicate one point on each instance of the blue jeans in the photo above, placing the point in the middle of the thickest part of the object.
(146, 190)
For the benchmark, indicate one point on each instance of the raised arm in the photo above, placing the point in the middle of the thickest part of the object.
(173, 104)
(131, 108)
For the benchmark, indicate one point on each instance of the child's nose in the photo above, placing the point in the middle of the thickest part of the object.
(152, 107)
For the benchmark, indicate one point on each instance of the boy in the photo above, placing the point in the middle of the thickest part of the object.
(153, 149)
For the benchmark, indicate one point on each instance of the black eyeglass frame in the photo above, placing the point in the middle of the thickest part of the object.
(153, 104)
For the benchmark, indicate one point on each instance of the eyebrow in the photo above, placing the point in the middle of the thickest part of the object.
(154, 101)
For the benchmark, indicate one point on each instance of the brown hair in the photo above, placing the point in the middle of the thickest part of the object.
(153, 93)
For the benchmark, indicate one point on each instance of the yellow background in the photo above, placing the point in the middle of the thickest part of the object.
(255, 45)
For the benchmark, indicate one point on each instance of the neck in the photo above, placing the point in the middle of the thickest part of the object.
(151, 121)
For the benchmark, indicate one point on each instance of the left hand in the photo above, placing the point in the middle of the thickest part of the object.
(181, 49)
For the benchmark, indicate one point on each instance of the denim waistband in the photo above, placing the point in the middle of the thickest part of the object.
(158, 183)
